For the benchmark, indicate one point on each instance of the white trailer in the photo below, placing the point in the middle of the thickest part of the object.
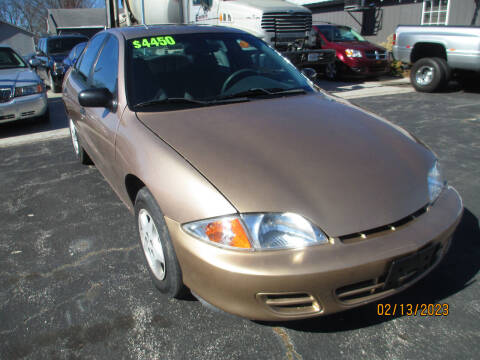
(285, 26)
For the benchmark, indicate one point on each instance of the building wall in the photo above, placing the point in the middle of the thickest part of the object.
(390, 15)
(20, 41)
(461, 13)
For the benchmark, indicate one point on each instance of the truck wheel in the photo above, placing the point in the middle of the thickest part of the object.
(446, 69)
(157, 247)
(427, 75)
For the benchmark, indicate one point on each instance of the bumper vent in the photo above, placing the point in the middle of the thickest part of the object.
(400, 272)
(376, 55)
(27, 113)
(5, 95)
(290, 303)
(284, 22)
(6, 117)
(382, 230)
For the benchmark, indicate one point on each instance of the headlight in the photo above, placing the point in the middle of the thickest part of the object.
(259, 231)
(28, 90)
(436, 183)
(353, 53)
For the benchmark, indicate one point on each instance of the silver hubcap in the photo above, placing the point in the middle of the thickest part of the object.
(152, 247)
(424, 75)
(73, 132)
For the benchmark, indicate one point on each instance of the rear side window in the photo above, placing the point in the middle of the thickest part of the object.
(105, 72)
(90, 54)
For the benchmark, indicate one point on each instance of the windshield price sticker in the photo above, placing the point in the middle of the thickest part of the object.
(153, 42)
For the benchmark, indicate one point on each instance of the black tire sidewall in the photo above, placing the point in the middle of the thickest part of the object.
(438, 75)
(172, 284)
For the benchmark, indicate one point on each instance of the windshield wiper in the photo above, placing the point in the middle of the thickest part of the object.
(170, 101)
(262, 92)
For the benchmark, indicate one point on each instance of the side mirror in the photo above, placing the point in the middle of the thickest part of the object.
(101, 97)
(309, 73)
(34, 62)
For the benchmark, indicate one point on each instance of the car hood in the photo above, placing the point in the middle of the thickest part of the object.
(341, 167)
(359, 45)
(18, 77)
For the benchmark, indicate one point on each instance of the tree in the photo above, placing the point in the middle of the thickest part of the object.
(32, 14)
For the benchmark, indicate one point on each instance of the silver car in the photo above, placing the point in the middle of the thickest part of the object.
(22, 93)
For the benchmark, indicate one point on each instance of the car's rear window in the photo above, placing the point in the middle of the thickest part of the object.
(63, 45)
(204, 67)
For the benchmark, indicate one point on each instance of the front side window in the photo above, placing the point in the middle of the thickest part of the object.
(85, 63)
(105, 72)
(435, 12)
(205, 67)
(62, 45)
(9, 59)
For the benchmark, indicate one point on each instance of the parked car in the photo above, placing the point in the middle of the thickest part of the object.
(22, 93)
(436, 52)
(355, 56)
(73, 55)
(51, 51)
(267, 197)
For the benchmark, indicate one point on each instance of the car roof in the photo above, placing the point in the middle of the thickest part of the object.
(65, 36)
(137, 31)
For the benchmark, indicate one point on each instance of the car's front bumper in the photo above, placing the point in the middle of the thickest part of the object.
(367, 67)
(23, 107)
(301, 283)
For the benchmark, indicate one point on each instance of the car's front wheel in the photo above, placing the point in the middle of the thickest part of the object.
(157, 247)
(331, 71)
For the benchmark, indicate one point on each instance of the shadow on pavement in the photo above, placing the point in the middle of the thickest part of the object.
(58, 120)
(455, 273)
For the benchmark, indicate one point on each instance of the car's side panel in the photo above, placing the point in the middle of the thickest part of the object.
(180, 190)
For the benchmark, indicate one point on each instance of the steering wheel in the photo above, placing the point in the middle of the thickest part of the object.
(241, 72)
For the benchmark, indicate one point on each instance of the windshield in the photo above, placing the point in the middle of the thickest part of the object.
(340, 33)
(9, 59)
(206, 68)
(62, 45)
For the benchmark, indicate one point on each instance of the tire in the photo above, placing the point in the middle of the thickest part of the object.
(446, 69)
(331, 71)
(55, 88)
(80, 152)
(158, 251)
(427, 75)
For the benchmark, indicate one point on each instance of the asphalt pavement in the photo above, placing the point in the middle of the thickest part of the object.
(73, 283)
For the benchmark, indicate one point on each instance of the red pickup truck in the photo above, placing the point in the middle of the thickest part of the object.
(355, 56)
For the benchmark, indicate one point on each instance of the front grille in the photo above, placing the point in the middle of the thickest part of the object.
(290, 303)
(400, 272)
(382, 230)
(284, 22)
(376, 55)
(6, 117)
(5, 95)
(27, 113)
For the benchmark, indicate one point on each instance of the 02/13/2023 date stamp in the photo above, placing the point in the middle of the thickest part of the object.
(413, 309)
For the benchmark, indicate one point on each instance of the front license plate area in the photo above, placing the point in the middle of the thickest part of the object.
(313, 57)
(409, 267)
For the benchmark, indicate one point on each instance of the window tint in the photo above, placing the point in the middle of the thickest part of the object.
(105, 72)
(90, 54)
